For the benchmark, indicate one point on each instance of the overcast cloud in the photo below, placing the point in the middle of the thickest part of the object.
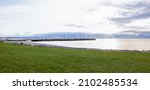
(96, 16)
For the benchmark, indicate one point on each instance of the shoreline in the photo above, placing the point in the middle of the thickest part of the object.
(31, 43)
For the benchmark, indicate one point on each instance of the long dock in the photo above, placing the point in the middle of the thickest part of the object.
(61, 39)
(44, 39)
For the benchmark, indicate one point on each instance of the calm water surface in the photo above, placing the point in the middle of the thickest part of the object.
(120, 44)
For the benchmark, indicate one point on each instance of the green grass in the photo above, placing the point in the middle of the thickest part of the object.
(28, 59)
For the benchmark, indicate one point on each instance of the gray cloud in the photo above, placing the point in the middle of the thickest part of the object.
(136, 27)
(136, 16)
(140, 10)
(136, 32)
(141, 4)
(74, 25)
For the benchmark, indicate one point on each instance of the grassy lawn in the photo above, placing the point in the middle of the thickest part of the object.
(19, 58)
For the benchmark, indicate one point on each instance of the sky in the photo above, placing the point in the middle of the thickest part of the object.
(92, 16)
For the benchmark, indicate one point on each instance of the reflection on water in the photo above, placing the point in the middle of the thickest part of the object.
(121, 44)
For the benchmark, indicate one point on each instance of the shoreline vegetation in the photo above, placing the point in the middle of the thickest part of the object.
(30, 57)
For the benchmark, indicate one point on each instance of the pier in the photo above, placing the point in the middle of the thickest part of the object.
(43, 39)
